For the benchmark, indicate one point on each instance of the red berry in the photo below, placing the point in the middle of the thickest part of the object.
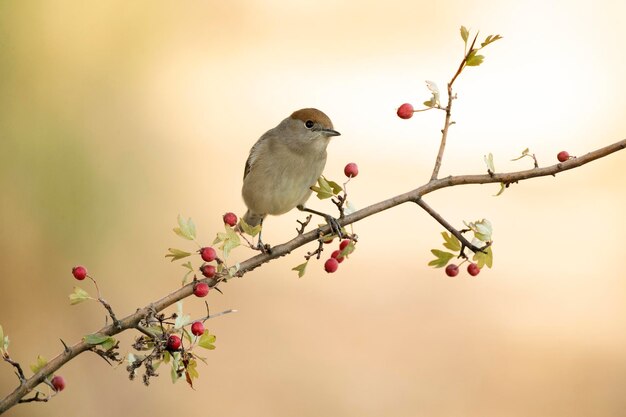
(328, 240)
(208, 270)
(473, 269)
(344, 243)
(208, 254)
(452, 270)
(201, 289)
(58, 382)
(405, 111)
(79, 272)
(336, 254)
(173, 342)
(562, 156)
(331, 265)
(197, 328)
(351, 170)
(230, 219)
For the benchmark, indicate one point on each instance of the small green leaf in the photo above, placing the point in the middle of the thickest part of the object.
(41, 362)
(176, 254)
(228, 240)
(442, 259)
(482, 229)
(451, 242)
(182, 319)
(323, 189)
(250, 230)
(483, 259)
(107, 342)
(186, 229)
(489, 161)
(207, 340)
(192, 371)
(4, 341)
(474, 60)
(78, 296)
(464, 34)
(502, 188)
(525, 152)
(430, 103)
(490, 39)
(334, 186)
(301, 269)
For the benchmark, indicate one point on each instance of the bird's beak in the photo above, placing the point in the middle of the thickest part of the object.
(330, 132)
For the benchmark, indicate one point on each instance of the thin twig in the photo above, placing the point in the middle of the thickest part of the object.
(464, 242)
(447, 123)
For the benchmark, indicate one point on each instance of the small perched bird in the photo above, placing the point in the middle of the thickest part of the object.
(284, 163)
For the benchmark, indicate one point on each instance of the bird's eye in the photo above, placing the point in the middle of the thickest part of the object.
(309, 124)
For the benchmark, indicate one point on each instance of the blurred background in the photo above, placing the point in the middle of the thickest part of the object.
(117, 116)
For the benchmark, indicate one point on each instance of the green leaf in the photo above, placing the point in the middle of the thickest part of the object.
(474, 60)
(186, 229)
(41, 362)
(228, 240)
(4, 341)
(464, 34)
(334, 186)
(502, 188)
(434, 89)
(490, 39)
(483, 259)
(78, 296)
(191, 370)
(442, 259)
(176, 254)
(525, 152)
(95, 339)
(451, 242)
(482, 229)
(207, 340)
(182, 319)
(301, 269)
(489, 162)
(324, 189)
(250, 230)
(175, 365)
(430, 103)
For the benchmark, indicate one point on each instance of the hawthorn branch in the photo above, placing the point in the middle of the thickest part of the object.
(133, 320)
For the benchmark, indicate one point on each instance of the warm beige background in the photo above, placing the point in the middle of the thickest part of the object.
(116, 116)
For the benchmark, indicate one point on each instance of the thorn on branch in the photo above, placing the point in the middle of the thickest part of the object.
(66, 348)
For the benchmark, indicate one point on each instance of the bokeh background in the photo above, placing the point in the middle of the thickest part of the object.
(117, 116)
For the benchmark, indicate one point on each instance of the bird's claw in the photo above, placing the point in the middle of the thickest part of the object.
(335, 228)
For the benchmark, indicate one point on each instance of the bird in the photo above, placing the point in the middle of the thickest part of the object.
(284, 163)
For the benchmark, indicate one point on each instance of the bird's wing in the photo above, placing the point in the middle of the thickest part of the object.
(254, 152)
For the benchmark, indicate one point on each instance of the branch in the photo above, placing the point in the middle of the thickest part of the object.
(132, 321)
(447, 123)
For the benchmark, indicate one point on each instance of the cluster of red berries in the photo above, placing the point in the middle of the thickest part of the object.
(332, 264)
(452, 270)
(174, 342)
